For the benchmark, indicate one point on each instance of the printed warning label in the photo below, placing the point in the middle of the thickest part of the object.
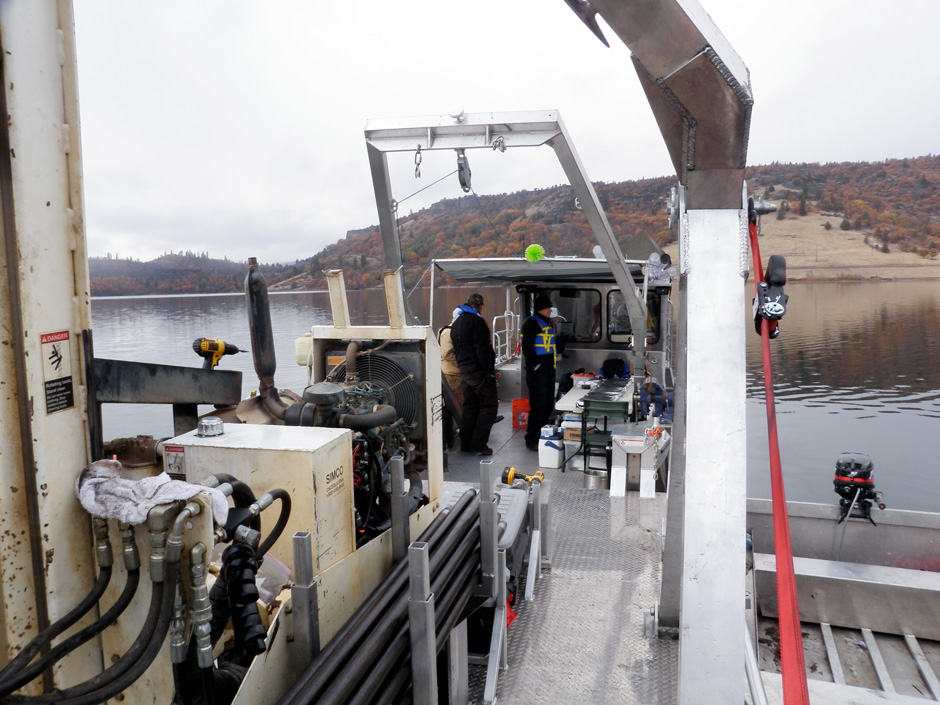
(57, 371)
(174, 462)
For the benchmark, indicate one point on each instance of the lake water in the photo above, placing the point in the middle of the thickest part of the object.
(855, 369)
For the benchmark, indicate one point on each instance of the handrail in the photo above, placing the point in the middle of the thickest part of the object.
(504, 343)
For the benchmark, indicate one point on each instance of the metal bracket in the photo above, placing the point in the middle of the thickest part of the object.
(304, 611)
(401, 531)
(421, 626)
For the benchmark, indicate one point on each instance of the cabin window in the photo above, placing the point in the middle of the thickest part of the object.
(579, 315)
(619, 329)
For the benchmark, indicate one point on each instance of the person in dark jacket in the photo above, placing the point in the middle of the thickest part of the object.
(477, 362)
(538, 349)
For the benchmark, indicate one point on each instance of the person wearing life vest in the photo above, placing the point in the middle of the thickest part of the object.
(473, 349)
(538, 349)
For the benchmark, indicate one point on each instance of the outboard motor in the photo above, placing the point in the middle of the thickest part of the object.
(855, 484)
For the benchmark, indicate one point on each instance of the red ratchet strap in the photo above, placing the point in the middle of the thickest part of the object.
(792, 666)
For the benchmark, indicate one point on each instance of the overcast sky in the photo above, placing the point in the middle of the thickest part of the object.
(236, 127)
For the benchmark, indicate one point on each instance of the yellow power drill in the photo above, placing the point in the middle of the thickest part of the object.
(510, 474)
(211, 351)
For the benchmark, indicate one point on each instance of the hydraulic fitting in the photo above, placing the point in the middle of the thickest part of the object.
(102, 545)
(200, 607)
(178, 641)
(129, 547)
(159, 521)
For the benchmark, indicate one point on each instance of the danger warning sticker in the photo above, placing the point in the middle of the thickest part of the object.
(174, 462)
(57, 371)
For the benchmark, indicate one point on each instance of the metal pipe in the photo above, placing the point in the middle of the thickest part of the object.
(259, 322)
(396, 658)
(752, 669)
(352, 351)
(341, 648)
(394, 623)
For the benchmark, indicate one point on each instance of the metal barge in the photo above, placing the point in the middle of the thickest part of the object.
(649, 594)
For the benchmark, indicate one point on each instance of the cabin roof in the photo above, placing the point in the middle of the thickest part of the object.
(516, 270)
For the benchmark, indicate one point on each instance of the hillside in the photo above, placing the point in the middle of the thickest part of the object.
(846, 220)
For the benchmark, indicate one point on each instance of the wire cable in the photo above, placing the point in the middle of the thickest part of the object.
(485, 215)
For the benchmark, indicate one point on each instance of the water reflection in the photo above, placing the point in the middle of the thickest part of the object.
(855, 368)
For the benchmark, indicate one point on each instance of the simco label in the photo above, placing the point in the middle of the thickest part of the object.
(334, 481)
(57, 371)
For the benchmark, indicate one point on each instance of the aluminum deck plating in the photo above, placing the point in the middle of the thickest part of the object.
(581, 638)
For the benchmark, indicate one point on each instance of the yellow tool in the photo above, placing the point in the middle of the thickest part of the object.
(510, 474)
(211, 351)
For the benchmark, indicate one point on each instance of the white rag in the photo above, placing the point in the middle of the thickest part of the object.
(104, 493)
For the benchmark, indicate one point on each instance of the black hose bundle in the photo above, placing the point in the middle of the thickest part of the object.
(41, 640)
(135, 661)
(19, 679)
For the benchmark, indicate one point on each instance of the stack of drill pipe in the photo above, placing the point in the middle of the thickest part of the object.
(345, 661)
(389, 681)
(393, 642)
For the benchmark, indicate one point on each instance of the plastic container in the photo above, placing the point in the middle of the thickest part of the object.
(551, 452)
(520, 413)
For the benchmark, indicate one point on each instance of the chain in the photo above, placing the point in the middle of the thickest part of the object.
(418, 163)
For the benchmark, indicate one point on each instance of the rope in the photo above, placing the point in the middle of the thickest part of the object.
(792, 666)
(420, 279)
(428, 186)
(485, 215)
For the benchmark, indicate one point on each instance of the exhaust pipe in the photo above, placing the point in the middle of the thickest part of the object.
(262, 338)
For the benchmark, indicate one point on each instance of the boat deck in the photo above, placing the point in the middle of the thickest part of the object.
(581, 639)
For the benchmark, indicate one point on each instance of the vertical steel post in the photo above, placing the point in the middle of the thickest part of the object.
(499, 653)
(400, 530)
(535, 543)
(489, 520)
(458, 671)
(304, 603)
(421, 626)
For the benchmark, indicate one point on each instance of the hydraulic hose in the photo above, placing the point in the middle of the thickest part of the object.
(242, 495)
(282, 518)
(134, 662)
(42, 639)
(347, 640)
(381, 415)
(73, 642)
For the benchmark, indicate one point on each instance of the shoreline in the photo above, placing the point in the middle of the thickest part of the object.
(815, 254)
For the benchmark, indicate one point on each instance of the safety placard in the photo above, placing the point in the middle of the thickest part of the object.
(174, 461)
(57, 371)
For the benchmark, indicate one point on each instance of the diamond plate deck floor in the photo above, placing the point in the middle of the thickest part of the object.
(581, 639)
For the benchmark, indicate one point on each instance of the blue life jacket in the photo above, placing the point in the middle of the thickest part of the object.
(545, 339)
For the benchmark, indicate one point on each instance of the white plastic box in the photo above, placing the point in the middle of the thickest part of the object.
(551, 452)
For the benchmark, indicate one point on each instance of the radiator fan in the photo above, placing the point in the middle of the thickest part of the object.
(403, 392)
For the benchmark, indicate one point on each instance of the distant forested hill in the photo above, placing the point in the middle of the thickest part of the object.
(896, 203)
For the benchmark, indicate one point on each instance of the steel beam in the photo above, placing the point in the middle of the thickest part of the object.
(714, 511)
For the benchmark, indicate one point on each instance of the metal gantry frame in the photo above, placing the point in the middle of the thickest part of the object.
(483, 131)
